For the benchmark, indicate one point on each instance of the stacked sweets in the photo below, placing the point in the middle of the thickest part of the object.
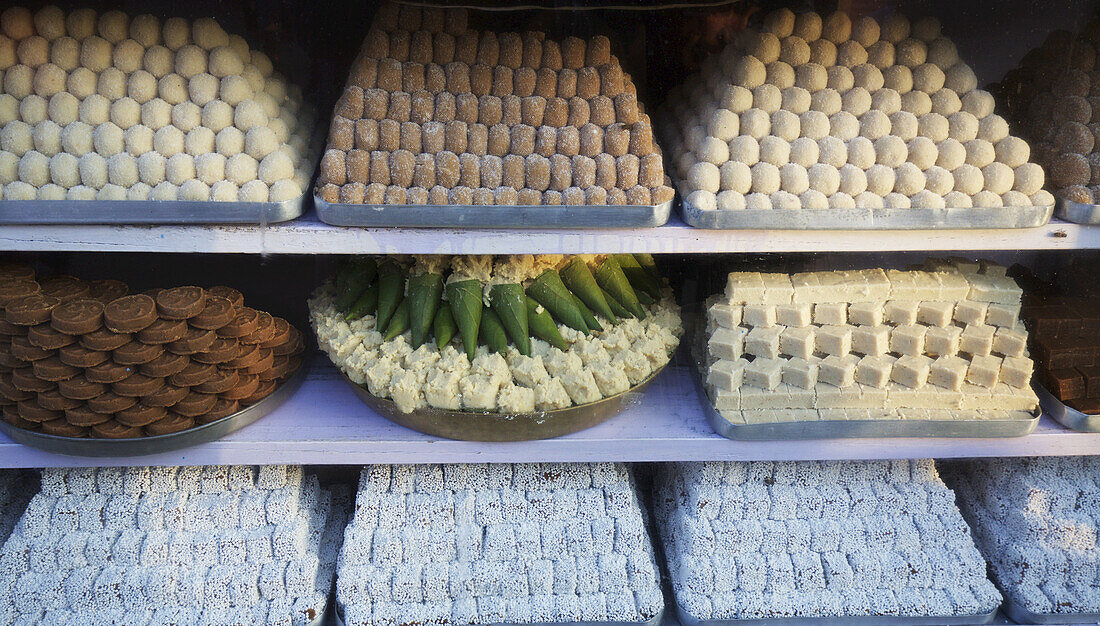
(84, 359)
(105, 107)
(437, 113)
(822, 113)
(1065, 340)
(941, 344)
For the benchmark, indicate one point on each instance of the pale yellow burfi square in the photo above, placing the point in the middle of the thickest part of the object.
(965, 265)
(994, 289)
(875, 288)
(759, 315)
(928, 397)
(727, 343)
(874, 371)
(726, 374)
(942, 415)
(970, 312)
(911, 413)
(831, 397)
(1003, 315)
(942, 341)
(903, 285)
(911, 370)
(801, 373)
(1010, 342)
(733, 417)
(992, 268)
(1014, 398)
(935, 313)
(1016, 372)
(866, 313)
(796, 415)
(902, 312)
(807, 287)
(948, 372)
(725, 399)
(832, 415)
(798, 342)
(744, 288)
(834, 340)
(984, 371)
(794, 315)
(908, 339)
(870, 397)
(977, 397)
(927, 286)
(871, 340)
(831, 314)
(759, 417)
(800, 398)
(878, 414)
(763, 373)
(763, 342)
(777, 289)
(953, 286)
(837, 371)
(977, 340)
(724, 315)
(759, 398)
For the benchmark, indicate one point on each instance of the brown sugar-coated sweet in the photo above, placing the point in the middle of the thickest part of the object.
(137, 353)
(222, 408)
(30, 310)
(25, 379)
(46, 337)
(222, 381)
(223, 349)
(31, 411)
(79, 356)
(195, 404)
(65, 288)
(194, 374)
(111, 402)
(163, 331)
(137, 385)
(53, 370)
(164, 365)
(113, 429)
(166, 396)
(12, 290)
(80, 388)
(77, 316)
(140, 415)
(109, 372)
(53, 400)
(85, 417)
(281, 334)
(218, 312)
(10, 392)
(181, 303)
(234, 296)
(62, 428)
(170, 424)
(23, 350)
(264, 363)
(107, 290)
(245, 388)
(130, 314)
(196, 340)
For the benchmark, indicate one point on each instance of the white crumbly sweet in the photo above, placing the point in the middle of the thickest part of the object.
(833, 539)
(166, 545)
(536, 543)
(1035, 521)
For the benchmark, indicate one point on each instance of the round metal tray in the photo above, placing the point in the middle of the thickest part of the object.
(161, 443)
(1066, 415)
(486, 426)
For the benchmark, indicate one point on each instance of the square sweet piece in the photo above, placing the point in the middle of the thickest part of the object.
(837, 371)
(871, 340)
(762, 373)
(942, 341)
(794, 315)
(1016, 372)
(796, 415)
(1010, 342)
(992, 268)
(1004, 315)
(798, 397)
(798, 342)
(971, 312)
(807, 287)
(965, 265)
(727, 343)
(908, 339)
(724, 315)
(759, 315)
(935, 313)
(744, 288)
(984, 371)
(725, 400)
(801, 373)
(948, 372)
(726, 374)
(874, 371)
(832, 415)
(928, 286)
(831, 314)
(993, 289)
(875, 287)
(835, 340)
(1015, 398)
(953, 286)
(763, 342)
(977, 397)
(733, 416)
(777, 288)
(911, 371)
(903, 285)
(866, 313)
(901, 312)
(871, 397)
(760, 398)
(977, 340)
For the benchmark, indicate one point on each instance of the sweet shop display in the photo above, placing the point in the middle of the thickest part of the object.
(783, 541)
(89, 359)
(166, 545)
(105, 106)
(1065, 342)
(830, 112)
(17, 487)
(1035, 521)
(509, 334)
(498, 544)
(939, 344)
(437, 112)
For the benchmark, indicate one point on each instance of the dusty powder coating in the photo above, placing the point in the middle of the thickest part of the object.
(16, 490)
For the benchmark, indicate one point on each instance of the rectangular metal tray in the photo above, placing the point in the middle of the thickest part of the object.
(885, 620)
(867, 219)
(1065, 415)
(1021, 615)
(140, 212)
(338, 619)
(492, 216)
(1077, 212)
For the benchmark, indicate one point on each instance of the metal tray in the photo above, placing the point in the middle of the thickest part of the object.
(492, 216)
(485, 426)
(1077, 212)
(885, 620)
(148, 212)
(161, 443)
(1021, 615)
(654, 621)
(1066, 416)
(867, 219)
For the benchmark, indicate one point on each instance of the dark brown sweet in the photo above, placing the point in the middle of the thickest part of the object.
(113, 429)
(235, 298)
(109, 372)
(294, 345)
(165, 365)
(195, 404)
(21, 348)
(265, 329)
(15, 271)
(1066, 384)
(222, 408)
(222, 381)
(152, 293)
(137, 385)
(136, 353)
(46, 337)
(62, 428)
(196, 340)
(263, 390)
(166, 396)
(53, 370)
(267, 359)
(7, 329)
(247, 356)
(31, 411)
(9, 361)
(219, 312)
(111, 403)
(105, 339)
(223, 350)
(245, 388)
(181, 303)
(130, 314)
(54, 401)
(172, 423)
(280, 368)
(293, 366)
(80, 388)
(140, 415)
(83, 416)
(10, 392)
(31, 310)
(163, 331)
(282, 334)
(1091, 374)
(246, 321)
(1088, 406)
(78, 316)
(107, 291)
(11, 416)
(25, 379)
(79, 356)
(65, 288)
(194, 374)
(12, 290)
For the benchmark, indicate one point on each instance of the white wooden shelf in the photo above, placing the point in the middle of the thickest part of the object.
(307, 235)
(324, 423)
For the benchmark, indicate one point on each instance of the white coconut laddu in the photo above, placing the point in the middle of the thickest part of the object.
(1035, 521)
(217, 544)
(911, 98)
(817, 539)
(84, 101)
(499, 543)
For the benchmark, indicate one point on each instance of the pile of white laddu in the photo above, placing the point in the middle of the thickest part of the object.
(105, 107)
(165, 545)
(823, 113)
(497, 544)
(1036, 520)
(16, 490)
(765, 540)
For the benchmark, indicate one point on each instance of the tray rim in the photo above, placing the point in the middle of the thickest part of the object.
(1066, 415)
(148, 212)
(107, 448)
(1020, 615)
(1077, 212)
(863, 219)
(885, 620)
(493, 216)
(338, 618)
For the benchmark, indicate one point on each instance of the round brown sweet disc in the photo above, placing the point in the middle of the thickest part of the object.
(165, 365)
(44, 336)
(194, 374)
(219, 312)
(195, 404)
(137, 385)
(78, 316)
(62, 428)
(222, 408)
(163, 331)
(222, 381)
(136, 353)
(244, 322)
(223, 350)
(30, 310)
(54, 401)
(25, 379)
(265, 389)
(12, 290)
(166, 396)
(267, 359)
(7, 329)
(130, 314)
(282, 334)
(294, 344)
(105, 339)
(196, 340)
(280, 367)
(110, 403)
(16, 271)
(11, 416)
(181, 303)
(235, 298)
(247, 356)
(52, 369)
(83, 416)
(65, 288)
(107, 291)
(80, 388)
(109, 372)
(140, 415)
(11, 362)
(265, 329)
(246, 387)
(22, 349)
(79, 356)
(31, 411)
(113, 429)
(172, 423)
(10, 392)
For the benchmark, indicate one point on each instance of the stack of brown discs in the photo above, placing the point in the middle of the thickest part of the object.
(84, 359)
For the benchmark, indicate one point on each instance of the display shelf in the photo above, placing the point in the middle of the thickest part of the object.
(324, 423)
(308, 235)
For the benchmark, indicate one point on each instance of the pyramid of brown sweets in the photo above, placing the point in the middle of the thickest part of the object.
(90, 359)
(437, 113)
